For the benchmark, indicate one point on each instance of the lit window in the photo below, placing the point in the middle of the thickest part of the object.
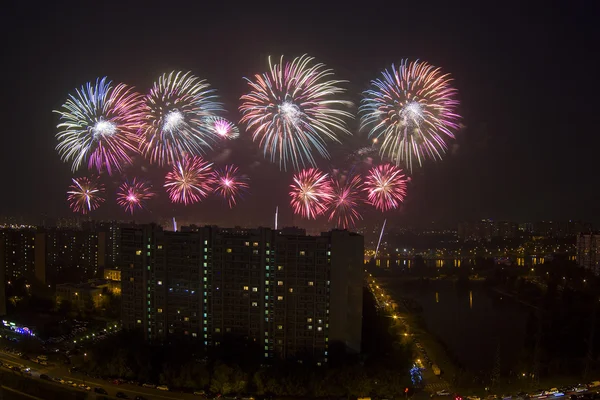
(139, 321)
(280, 327)
(254, 304)
(255, 289)
(229, 250)
(186, 319)
(255, 244)
(311, 283)
(217, 330)
(247, 244)
(280, 267)
(194, 334)
(319, 329)
(138, 252)
(159, 247)
(291, 290)
(245, 287)
(279, 283)
(159, 310)
(255, 252)
(320, 321)
(159, 283)
(279, 298)
(310, 327)
(308, 319)
(302, 253)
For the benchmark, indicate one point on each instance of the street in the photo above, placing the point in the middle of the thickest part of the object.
(62, 372)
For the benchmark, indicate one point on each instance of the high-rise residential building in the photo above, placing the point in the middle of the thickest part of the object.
(294, 294)
(588, 252)
(48, 255)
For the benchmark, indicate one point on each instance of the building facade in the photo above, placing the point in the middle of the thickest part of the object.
(294, 294)
(588, 252)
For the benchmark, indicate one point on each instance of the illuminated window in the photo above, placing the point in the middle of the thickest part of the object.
(159, 247)
(280, 327)
(310, 327)
(139, 321)
(254, 304)
(138, 252)
(319, 329)
(280, 267)
(255, 252)
(279, 283)
(194, 334)
(279, 298)
(217, 330)
(311, 283)
(308, 319)
(255, 244)
(245, 287)
(302, 253)
(159, 283)
(229, 250)
(291, 290)
(186, 319)
(255, 289)
(247, 244)
(320, 321)
(159, 310)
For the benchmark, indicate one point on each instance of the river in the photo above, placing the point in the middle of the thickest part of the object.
(472, 322)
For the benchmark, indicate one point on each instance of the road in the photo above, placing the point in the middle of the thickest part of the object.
(62, 371)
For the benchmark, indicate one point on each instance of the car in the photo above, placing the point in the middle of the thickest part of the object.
(59, 380)
(163, 387)
(442, 393)
(122, 395)
(200, 393)
(45, 377)
(100, 390)
(149, 385)
(551, 391)
(580, 388)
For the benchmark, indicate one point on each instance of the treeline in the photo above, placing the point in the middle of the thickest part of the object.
(235, 367)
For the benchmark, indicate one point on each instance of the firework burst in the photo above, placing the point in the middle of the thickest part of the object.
(223, 128)
(190, 181)
(99, 125)
(311, 193)
(175, 113)
(293, 110)
(386, 187)
(230, 184)
(132, 195)
(85, 195)
(346, 198)
(412, 108)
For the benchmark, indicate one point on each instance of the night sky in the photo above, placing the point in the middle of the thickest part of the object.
(526, 75)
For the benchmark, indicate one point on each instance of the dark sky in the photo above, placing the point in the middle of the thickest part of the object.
(526, 75)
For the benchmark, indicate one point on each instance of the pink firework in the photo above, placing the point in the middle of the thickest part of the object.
(223, 128)
(85, 195)
(311, 193)
(346, 199)
(132, 195)
(386, 187)
(230, 184)
(190, 181)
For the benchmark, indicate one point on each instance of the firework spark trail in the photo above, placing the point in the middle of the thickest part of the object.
(190, 180)
(386, 187)
(230, 184)
(293, 110)
(175, 118)
(347, 197)
(311, 193)
(413, 109)
(85, 195)
(99, 125)
(132, 195)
